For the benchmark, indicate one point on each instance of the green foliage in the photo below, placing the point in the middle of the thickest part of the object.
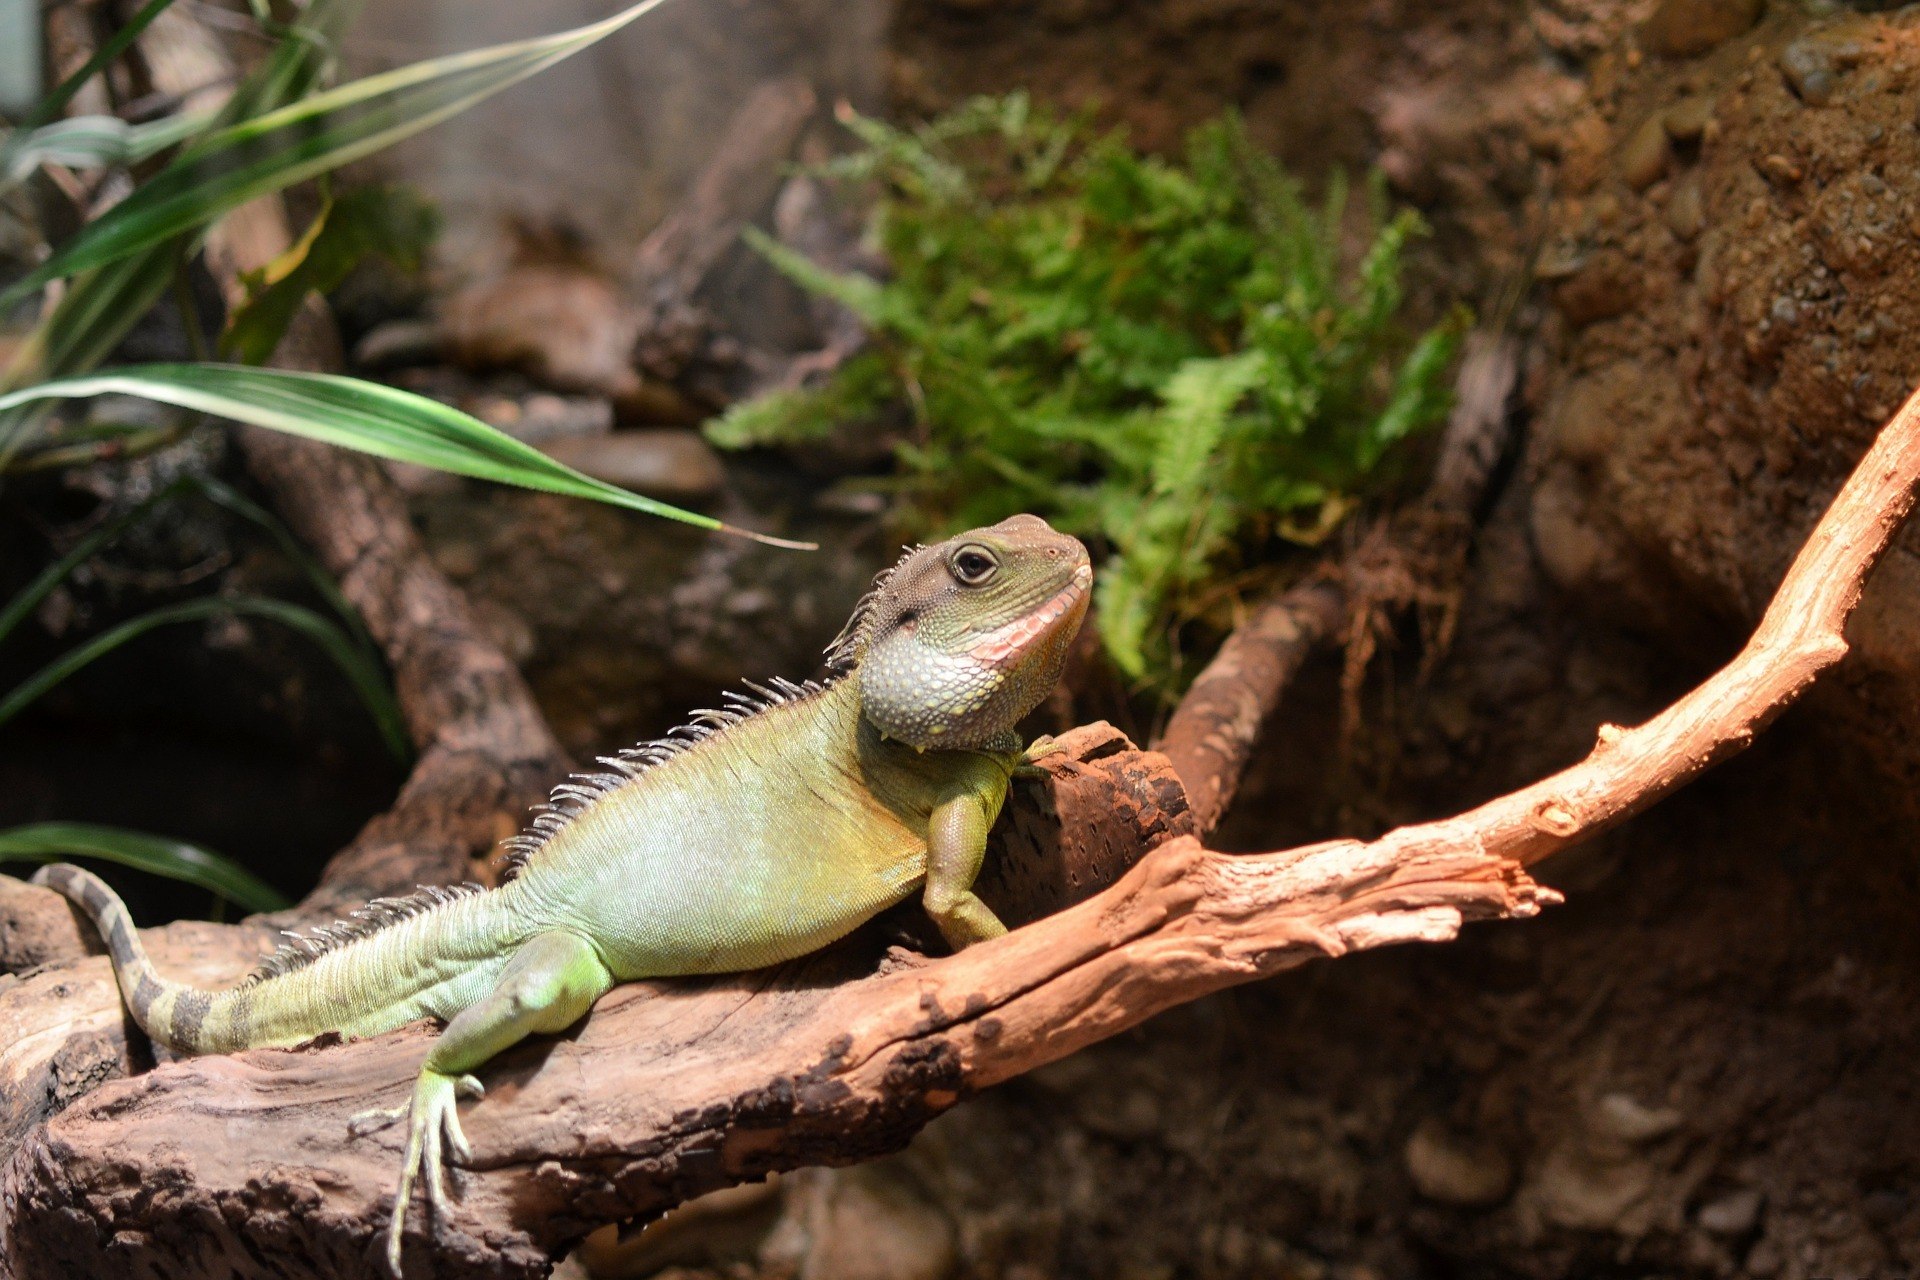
(92, 142)
(175, 859)
(99, 306)
(314, 134)
(279, 127)
(1167, 356)
(343, 638)
(365, 416)
(376, 221)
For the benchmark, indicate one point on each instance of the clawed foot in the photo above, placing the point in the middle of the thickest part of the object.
(433, 1132)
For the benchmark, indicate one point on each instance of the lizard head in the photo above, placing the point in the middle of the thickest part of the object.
(961, 639)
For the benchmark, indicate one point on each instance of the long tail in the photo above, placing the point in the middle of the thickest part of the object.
(171, 1012)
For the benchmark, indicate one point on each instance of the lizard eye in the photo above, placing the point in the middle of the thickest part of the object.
(974, 565)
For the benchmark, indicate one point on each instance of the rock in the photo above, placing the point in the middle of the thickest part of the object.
(1780, 170)
(1814, 63)
(1622, 1116)
(1688, 118)
(540, 418)
(511, 633)
(1607, 285)
(1687, 28)
(1573, 1189)
(1733, 1214)
(663, 463)
(1585, 427)
(397, 343)
(868, 1223)
(563, 325)
(1686, 208)
(1454, 1170)
(1643, 160)
(1570, 549)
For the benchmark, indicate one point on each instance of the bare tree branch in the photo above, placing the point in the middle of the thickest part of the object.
(1213, 731)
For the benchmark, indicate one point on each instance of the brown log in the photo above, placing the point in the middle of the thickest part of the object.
(38, 928)
(672, 1089)
(486, 752)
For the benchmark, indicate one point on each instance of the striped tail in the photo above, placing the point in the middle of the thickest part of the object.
(171, 1012)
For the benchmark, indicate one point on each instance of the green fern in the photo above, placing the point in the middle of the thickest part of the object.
(1172, 358)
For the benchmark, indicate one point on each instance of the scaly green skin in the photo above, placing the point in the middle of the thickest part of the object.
(765, 832)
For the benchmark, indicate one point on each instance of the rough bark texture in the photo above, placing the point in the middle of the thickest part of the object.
(486, 752)
(1213, 731)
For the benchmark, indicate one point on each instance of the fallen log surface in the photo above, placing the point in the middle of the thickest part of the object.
(241, 1165)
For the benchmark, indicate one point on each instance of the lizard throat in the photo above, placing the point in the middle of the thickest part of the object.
(1005, 643)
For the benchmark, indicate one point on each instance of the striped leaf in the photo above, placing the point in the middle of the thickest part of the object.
(366, 416)
(227, 167)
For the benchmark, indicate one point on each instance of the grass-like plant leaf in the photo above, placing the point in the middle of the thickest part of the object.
(383, 221)
(49, 107)
(225, 495)
(380, 420)
(230, 166)
(100, 306)
(361, 671)
(174, 859)
(28, 598)
(92, 142)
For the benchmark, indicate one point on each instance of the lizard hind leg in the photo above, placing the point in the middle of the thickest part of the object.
(552, 980)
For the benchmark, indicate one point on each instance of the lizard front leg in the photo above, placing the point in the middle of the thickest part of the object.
(956, 846)
(552, 980)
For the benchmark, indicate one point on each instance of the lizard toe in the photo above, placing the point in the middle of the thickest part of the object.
(365, 1122)
(457, 1146)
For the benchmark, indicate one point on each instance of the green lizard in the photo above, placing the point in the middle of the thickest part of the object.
(756, 834)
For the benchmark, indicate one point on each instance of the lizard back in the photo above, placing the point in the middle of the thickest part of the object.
(797, 817)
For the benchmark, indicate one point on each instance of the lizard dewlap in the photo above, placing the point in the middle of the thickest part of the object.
(759, 832)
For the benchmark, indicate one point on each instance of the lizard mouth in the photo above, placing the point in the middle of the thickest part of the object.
(1007, 641)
